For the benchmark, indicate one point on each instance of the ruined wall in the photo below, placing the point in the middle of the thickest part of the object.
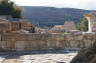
(45, 41)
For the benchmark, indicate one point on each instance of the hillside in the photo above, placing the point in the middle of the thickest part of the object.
(49, 16)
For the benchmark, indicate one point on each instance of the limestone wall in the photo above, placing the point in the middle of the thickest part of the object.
(45, 41)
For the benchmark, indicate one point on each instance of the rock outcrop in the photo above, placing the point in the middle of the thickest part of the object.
(87, 55)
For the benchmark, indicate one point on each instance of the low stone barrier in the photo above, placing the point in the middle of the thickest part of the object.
(45, 41)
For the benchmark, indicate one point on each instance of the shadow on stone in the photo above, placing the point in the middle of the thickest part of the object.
(86, 55)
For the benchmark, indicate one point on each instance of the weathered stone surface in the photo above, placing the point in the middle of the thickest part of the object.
(16, 41)
(87, 55)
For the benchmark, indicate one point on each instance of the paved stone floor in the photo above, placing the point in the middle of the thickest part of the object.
(56, 56)
(40, 58)
(47, 58)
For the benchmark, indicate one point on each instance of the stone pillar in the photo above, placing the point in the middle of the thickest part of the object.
(89, 24)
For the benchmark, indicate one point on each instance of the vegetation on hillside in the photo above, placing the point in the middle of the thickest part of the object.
(50, 16)
(8, 7)
(83, 25)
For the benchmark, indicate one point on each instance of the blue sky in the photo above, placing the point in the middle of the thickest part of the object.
(82, 4)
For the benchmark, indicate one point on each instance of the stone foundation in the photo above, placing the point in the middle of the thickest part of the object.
(45, 41)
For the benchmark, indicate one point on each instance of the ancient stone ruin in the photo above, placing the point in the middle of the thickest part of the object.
(68, 26)
(18, 35)
(88, 54)
(15, 41)
(91, 21)
(21, 26)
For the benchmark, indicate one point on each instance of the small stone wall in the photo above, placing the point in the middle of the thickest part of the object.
(45, 41)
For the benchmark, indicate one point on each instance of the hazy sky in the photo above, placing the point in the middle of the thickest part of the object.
(82, 4)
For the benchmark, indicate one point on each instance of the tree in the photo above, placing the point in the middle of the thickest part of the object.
(83, 25)
(8, 7)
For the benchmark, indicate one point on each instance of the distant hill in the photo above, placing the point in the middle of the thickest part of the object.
(49, 16)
